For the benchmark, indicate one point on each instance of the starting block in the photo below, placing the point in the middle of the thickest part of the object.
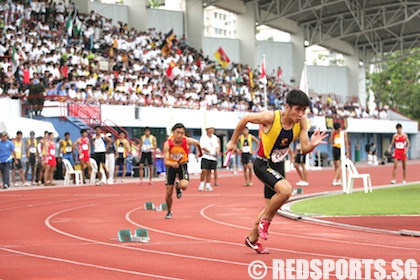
(163, 207)
(298, 191)
(140, 235)
(149, 206)
(124, 235)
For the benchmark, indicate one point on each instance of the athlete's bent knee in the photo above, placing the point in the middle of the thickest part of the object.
(284, 188)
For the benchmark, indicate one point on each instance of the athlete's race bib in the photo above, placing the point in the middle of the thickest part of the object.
(176, 157)
(85, 147)
(399, 145)
(146, 147)
(279, 155)
(246, 149)
(69, 149)
(120, 150)
(298, 146)
(52, 152)
(32, 150)
(17, 149)
(337, 140)
(81, 156)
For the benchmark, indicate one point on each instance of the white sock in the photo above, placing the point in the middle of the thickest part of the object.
(201, 184)
(207, 185)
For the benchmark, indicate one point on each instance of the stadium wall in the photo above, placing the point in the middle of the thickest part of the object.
(111, 11)
(328, 79)
(165, 20)
(10, 108)
(230, 46)
(277, 54)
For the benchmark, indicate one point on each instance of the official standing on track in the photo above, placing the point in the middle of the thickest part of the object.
(7, 152)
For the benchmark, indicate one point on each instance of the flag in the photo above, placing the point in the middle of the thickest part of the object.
(222, 58)
(251, 77)
(304, 81)
(263, 76)
(69, 25)
(279, 73)
(77, 26)
(166, 45)
(15, 60)
(172, 71)
(19, 22)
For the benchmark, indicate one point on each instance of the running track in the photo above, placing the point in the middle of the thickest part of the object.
(70, 233)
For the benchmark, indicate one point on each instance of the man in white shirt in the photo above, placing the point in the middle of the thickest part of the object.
(210, 145)
(99, 148)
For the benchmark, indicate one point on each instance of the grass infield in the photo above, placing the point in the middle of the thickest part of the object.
(403, 200)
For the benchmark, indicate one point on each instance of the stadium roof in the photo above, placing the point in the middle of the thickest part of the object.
(374, 27)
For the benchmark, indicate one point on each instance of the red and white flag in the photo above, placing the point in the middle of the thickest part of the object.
(172, 71)
(279, 73)
(263, 76)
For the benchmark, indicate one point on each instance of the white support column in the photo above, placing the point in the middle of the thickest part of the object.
(194, 23)
(299, 56)
(352, 63)
(137, 13)
(245, 32)
(362, 85)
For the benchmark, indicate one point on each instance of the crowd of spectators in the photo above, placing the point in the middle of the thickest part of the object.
(103, 62)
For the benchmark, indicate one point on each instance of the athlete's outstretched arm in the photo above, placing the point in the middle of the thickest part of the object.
(264, 118)
(317, 137)
(192, 141)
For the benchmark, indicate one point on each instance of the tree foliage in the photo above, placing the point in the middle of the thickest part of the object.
(397, 84)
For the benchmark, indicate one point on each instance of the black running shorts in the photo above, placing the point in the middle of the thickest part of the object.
(246, 158)
(120, 161)
(182, 172)
(336, 153)
(17, 165)
(208, 164)
(99, 157)
(32, 160)
(146, 157)
(269, 173)
(300, 158)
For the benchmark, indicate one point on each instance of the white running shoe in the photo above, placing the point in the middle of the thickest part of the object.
(334, 183)
(300, 183)
(393, 181)
(26, 184)
(201, 188)
(208, 189)
(16, 185)
(404, 182)
(304, 184)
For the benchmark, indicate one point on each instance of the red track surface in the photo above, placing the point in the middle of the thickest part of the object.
(70, 233)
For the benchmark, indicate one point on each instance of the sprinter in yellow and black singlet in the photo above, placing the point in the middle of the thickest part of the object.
(279, 130)
(246, 148)
(31, 155)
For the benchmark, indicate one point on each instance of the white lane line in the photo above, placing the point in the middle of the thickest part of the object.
(227, 242)
(86, 264)
(202, 213)
(48, 224)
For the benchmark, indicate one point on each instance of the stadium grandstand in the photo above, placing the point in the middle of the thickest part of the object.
(70, 65)
(209, 139)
